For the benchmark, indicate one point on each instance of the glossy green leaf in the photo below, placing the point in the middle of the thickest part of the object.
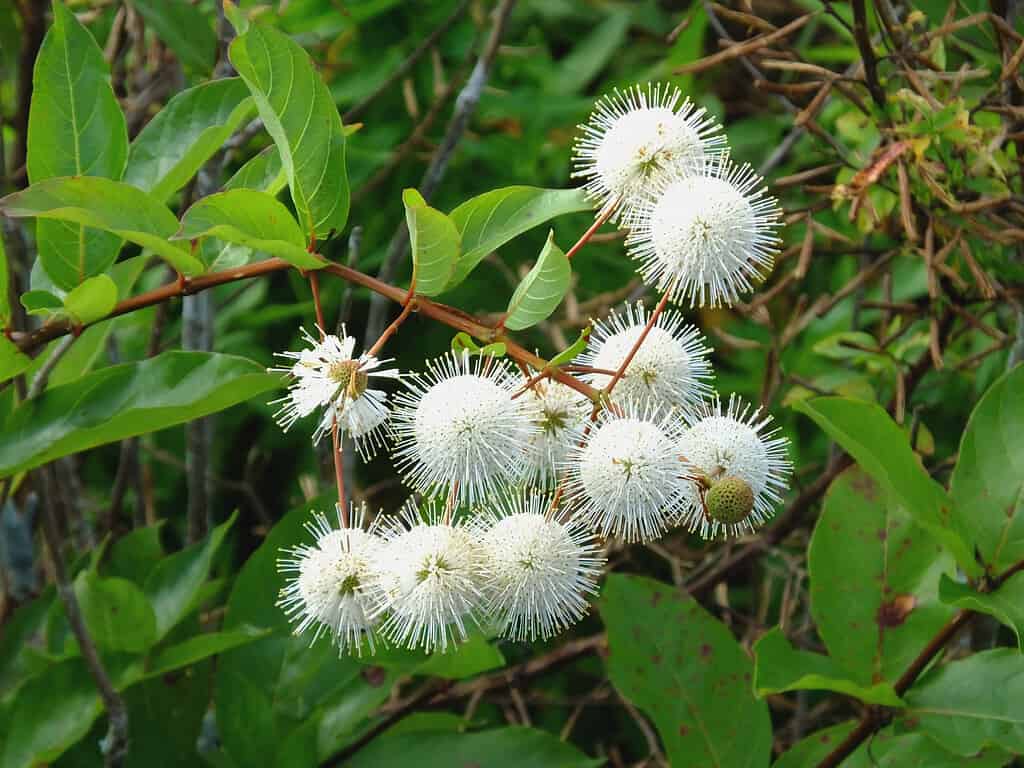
(490, 220)
(972, 703)
(497, 748)
(41, 303)
(126, 400)
(434, 242)
(92, 300)
(874, 581)
(870, 436)
(75, 128)
(110, 205)
(250, 218)
(779, 667)
(175, 582)
(184, 27)
(200, 647)
(681, 666)
(51, 713)
(263, 172)
(987, 485)
(12, 360)
(116, 612)
(1005, 604)
(542, 290)
(299, 114)
(186, 133)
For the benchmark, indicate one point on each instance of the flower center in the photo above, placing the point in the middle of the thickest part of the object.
(348, 376)
(348, 585)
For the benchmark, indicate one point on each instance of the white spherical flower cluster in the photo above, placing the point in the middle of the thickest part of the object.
(326, 375)
(737, 442)
(459, 429)
(670, 369)
(560, 413)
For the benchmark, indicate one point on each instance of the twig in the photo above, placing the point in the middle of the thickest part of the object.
(867, 54)
(746, 47)
(43, 376)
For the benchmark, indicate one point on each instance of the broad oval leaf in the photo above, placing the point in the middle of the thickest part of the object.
(186, 133)
(92, 300)
(987, 485)
(184, 27)
(686, 671)
(542, 290)
(299, 114)
(75, 128)
(117, 207)
(126, 400)
(972, 703)
(250, 218)
(116, 612)
(263, 172)
(434, 242)
(874, 581)
(490, 220)
(870, 436)
(1005, 604)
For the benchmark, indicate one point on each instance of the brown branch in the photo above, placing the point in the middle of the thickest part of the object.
(746, 47)
(867, 54)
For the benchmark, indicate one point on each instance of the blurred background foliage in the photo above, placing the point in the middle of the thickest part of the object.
(879, 169)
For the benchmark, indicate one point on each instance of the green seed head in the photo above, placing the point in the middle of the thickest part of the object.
(348, 377)
(729, 500)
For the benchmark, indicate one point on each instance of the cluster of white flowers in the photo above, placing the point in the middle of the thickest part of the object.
(517, 480)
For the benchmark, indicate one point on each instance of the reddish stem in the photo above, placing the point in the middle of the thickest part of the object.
(585, 237)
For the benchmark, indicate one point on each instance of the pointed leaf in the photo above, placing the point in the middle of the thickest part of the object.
(111, 205)
(201, 647)
(870, 436)
(92, 300)
(434, 242)
(987, 485)
(186, 30)
(490, 220)
(1006, 604)
(299, 114)
(542, 290)
(75, 128)
(126, 400)
(250, 218)
(186, 133)
(573, 351)
(41, 303)
(263, 172)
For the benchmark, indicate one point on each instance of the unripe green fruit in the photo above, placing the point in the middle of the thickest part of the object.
(729, 500)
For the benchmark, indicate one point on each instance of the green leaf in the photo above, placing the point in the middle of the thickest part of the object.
(175, 582)
(463, 342)
(778, 667)
(972, 703)
(236, 17)
(1006, 604)
(250, 218)
(542, 290)
(490, 220)
(201, 647)
(126, 400)
(186, 133)
(870, 436)
(263, 172)
(5, 300)
(51, 713)
(94, 299)
(469, 658)
(589, 55)
(686, 671)
(299, 114)
(496, 748)
(434, 242)
(186, 30)
(41, 303)
(571, 352)
(815, 747)
(111, 205)
(987, 485)
(116, 612)
(874, 581)
(134, 555)
(12, 360)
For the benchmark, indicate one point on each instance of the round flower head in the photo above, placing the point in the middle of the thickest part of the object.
(426, 580)
(560, 413)
(638, 136)
(327, 375)
(670, 369)
(327, 581)
(709, 236)
(458, 426)
(741, 458)
(539, 570)
(626, 478)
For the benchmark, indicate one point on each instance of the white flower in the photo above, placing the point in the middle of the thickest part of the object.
(626, 479)
(327, 581)
(427, 580)
(670, 369)
(458, 425)
(737, 443)
(708, 237)
(327, 375)
(637, 136)
(560, 412)
(539, 570)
